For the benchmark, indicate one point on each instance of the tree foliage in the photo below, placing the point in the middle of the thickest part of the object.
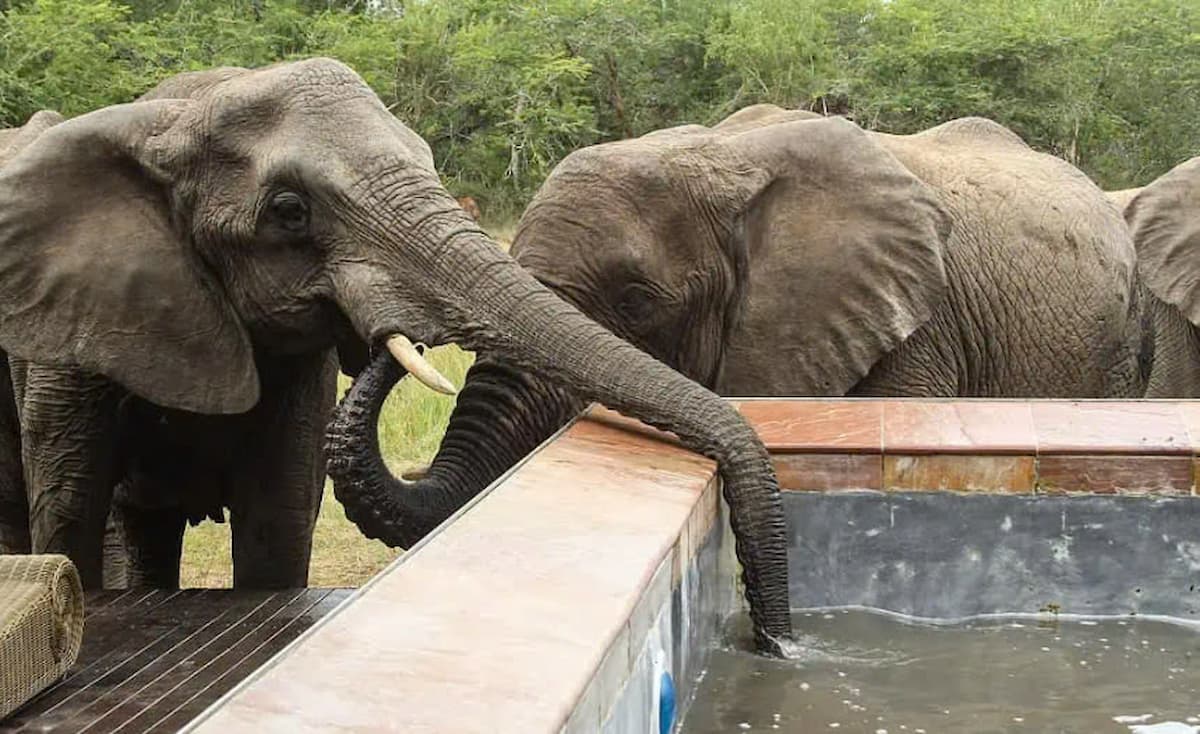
(502, 89)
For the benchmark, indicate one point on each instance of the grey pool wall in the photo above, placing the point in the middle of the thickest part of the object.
(948, 555)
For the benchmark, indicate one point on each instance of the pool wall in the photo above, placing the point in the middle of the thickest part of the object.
(946, 555)
(679, 615)
(947, 509)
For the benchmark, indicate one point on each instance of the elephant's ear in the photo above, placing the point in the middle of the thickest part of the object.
(1164, 219)
(845, 253)
(94, 274)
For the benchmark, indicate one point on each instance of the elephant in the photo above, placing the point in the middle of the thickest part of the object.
(176, 272)
(168, 468)
(14, 511)
(783, 253)
(1164, 222)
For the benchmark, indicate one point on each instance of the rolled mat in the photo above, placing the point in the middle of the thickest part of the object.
(41, 625)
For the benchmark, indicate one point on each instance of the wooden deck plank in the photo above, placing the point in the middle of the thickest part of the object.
(160, 676)
(192, 632)
(258, 650)
(154, 659)
(99, 600)
(109, 641)
(196, 679)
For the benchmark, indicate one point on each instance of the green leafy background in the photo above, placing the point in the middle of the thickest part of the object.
(503, 89)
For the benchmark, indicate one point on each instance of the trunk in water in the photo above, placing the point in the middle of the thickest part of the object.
(492, 306)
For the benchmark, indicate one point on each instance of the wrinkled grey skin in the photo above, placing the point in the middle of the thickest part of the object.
(779, 254)
(14, 511)
(782, 253)
(178, 270)
(1164, 221)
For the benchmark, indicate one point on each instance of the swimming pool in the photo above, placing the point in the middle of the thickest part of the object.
(589, 588)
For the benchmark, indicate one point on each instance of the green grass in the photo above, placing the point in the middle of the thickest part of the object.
(410, 429)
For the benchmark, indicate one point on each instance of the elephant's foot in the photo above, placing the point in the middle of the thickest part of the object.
(116, 563)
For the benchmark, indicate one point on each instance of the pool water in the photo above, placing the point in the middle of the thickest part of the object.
(861, 671)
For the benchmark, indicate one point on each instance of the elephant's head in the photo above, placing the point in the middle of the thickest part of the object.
(715, 251)
(778, 253)
(1164, 219)
(163, 243)
(166, 243)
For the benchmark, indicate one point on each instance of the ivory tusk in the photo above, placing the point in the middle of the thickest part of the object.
(416, 473)
(410, 359)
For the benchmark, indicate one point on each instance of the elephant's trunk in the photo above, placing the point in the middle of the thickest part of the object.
(500, 417)
(482, 299)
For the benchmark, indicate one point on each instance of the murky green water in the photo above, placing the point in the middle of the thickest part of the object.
(864, 672)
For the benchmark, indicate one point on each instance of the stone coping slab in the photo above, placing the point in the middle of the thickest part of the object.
(1034, 428)
(1007, 446)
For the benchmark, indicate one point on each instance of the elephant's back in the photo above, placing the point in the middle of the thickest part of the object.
(761, 115)
(1041, 268)
(14, 140)
(1121, 199)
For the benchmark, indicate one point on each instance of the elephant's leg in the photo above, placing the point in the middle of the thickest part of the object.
(277, 492)
(69, 442)
(152, 544)
(14, 507)
(144, 541)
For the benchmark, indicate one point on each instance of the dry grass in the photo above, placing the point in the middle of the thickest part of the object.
(502, 233)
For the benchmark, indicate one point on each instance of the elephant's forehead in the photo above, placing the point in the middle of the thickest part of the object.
(246, 100)
(629, 174)
(322, 109)
(306, 82)
(318, 93)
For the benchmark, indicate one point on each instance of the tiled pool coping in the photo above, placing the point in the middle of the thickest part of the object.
(539, 608)
(1050, 446)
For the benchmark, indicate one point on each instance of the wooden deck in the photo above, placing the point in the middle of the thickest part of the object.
(153, 660)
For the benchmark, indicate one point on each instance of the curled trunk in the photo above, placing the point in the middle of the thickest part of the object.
(500, 417)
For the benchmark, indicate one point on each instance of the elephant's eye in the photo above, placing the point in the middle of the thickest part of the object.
(290, 211)
(637, 303)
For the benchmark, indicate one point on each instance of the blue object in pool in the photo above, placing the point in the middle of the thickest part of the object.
(664, 691)
(666, 704)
